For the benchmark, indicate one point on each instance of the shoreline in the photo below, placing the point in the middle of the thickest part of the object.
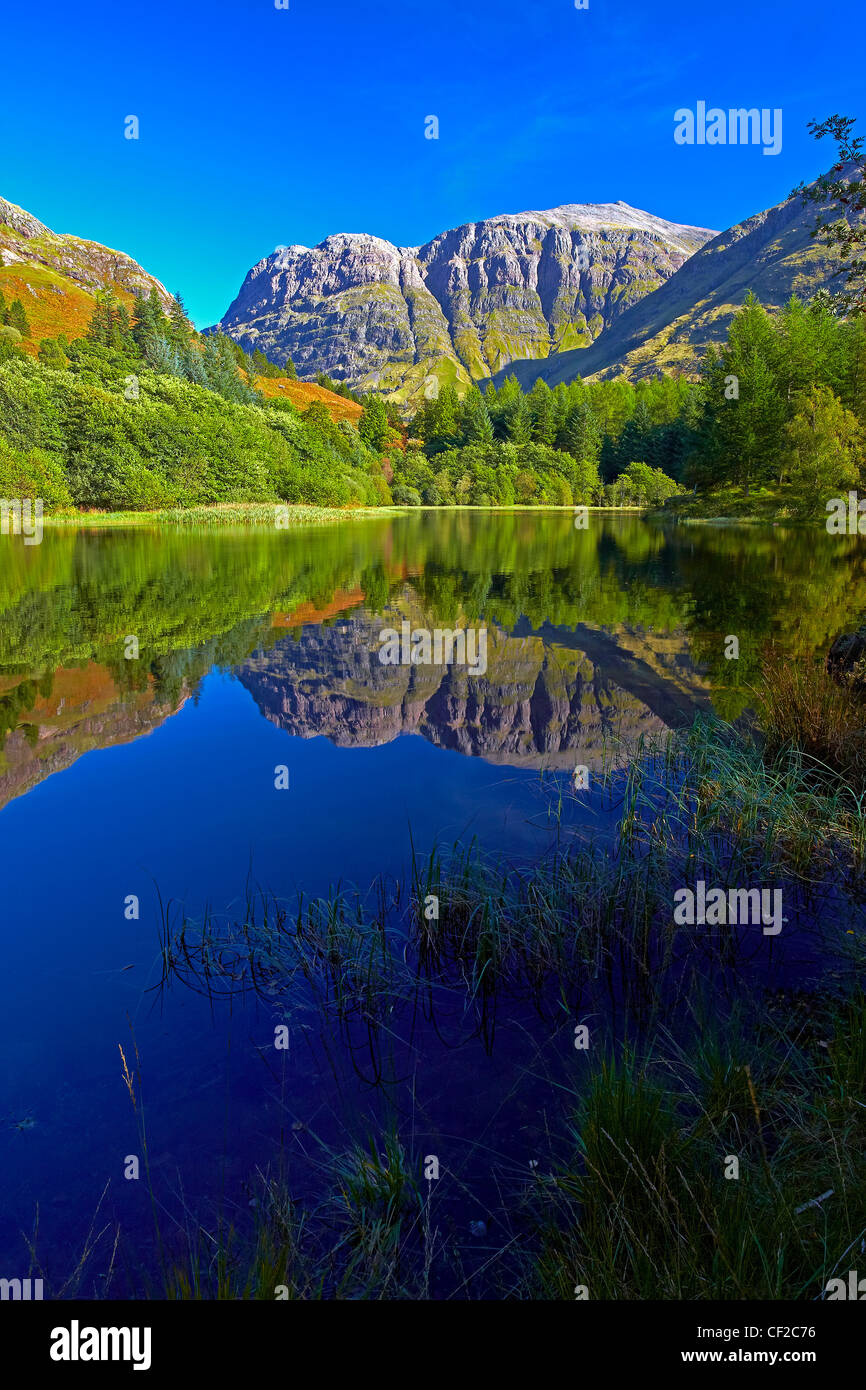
(299, 514)
(259, 514)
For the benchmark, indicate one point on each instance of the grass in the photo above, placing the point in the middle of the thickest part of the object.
(648, 1207)
(709, 1149)
(706, 803)
(729, 1169)
(225, 514)
(805, 708)
(218, 515)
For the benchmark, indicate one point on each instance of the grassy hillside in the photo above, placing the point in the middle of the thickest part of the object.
(771, 254)
(303, 393)
(57, 279)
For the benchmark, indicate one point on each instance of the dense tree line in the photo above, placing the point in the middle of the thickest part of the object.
(783, 404)
(780, 405)
(143, 411)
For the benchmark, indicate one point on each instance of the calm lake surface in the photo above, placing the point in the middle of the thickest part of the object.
(155, 777)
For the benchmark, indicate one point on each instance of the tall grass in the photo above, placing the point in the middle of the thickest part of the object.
(648, 1205)
(804, 708)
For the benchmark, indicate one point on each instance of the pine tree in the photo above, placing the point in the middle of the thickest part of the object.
(475, 426)
(178, 324)
(373, 426)
(633, 443)
(580, 433)
(142, 328)
(17, 318)
(542, 412)
(158, 320)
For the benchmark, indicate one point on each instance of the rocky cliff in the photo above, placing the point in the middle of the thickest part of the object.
(389, 318)
(550, 699)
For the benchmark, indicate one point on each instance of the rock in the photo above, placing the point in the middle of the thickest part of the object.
(472, 300)
(24, 240)
(846, 659)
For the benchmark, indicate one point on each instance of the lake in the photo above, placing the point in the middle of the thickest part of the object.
(257, 741)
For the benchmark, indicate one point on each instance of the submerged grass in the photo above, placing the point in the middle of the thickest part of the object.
(729, 1169)
(705, 804)
(710, 1150)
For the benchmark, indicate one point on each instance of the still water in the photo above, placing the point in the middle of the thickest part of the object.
(155, 779)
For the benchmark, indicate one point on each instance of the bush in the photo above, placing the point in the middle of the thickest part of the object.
(177, 444)
(33, 474)
(405, 496)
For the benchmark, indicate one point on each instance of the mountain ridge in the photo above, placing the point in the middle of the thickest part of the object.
(771, 253)
(472, 299)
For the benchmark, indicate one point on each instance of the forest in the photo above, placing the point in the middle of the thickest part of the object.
(145, 413)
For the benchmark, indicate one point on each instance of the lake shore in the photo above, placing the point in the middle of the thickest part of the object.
(292, 515)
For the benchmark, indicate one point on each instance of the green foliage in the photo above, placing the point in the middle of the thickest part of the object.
(497, 474)
(176, 444)
(827, 448)
(33, 473)
(781, 402)
(776, 384)
(604, 424)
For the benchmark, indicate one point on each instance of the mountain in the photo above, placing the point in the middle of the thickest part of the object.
(472, 300)
(771, 253)
(85, 710)
(56, 276)
(551, 697)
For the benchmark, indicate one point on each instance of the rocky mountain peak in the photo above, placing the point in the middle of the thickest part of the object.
(471, 300)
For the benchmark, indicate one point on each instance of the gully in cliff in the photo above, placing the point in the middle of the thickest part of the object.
(441, 647)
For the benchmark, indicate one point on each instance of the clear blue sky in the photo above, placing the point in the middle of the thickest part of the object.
(261, 126)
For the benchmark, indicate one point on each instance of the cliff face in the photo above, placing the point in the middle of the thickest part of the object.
(472, 300)
(540, 702)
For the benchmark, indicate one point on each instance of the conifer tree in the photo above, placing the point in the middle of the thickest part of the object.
(17, 318)
(179, 327)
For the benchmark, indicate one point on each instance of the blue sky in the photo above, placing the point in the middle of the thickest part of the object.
(261, 126)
